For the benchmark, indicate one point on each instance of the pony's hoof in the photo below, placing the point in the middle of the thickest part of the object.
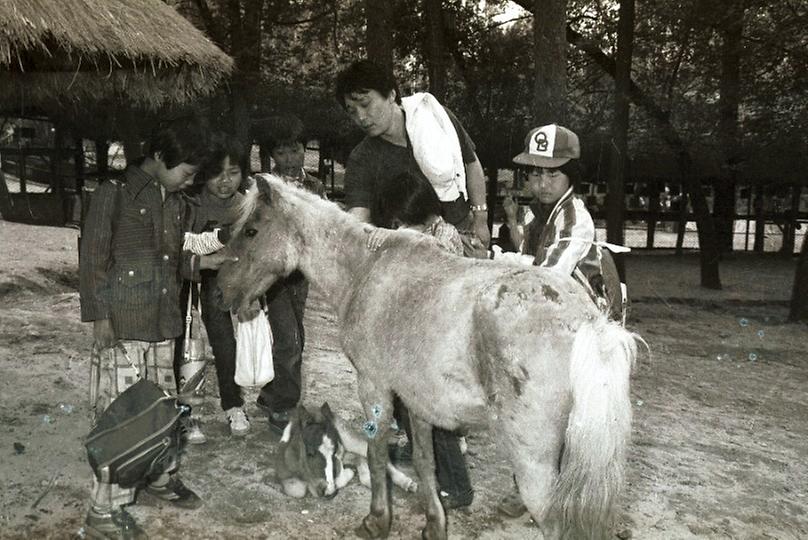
(373, 527)
(433, 533)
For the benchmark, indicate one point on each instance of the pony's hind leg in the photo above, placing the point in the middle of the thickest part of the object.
(423, 458)
(378, 407)
(535, 446)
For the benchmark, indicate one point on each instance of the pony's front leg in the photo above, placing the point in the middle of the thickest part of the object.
(378, 406)
(423, 458)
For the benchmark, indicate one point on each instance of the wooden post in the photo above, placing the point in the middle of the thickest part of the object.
(760, 221)
(653, 214)
(21, 167)
(790, 225)
(79, 163)
(748, 213)
(682, 225)
(102, 159)
(491, 198)
(56, 181)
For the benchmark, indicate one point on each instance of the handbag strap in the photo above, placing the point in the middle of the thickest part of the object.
(122, 349)
(186, 343)
(188, 315)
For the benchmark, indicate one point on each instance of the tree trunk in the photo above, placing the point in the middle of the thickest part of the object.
(731, 31)
(379, 33)
(245, 46)
(436, 57)
(550, 62)
(724, 211)
(799, 296)
(615, 198)
(240, 117)
(790, 227)
(708, 248)
(707, 244)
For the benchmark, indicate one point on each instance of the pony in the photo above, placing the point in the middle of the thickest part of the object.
(464, 343)
(317, 451)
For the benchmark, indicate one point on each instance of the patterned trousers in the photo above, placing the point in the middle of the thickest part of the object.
(112, 372)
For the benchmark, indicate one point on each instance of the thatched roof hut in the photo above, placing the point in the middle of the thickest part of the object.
(141, 51)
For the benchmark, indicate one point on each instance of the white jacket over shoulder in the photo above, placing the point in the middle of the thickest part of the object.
(435, 145)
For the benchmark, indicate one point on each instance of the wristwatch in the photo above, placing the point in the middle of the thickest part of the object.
(479, 207)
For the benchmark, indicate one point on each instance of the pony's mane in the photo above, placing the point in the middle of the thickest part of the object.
(291, 194)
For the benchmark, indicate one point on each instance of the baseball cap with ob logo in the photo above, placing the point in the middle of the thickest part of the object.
(549, 146)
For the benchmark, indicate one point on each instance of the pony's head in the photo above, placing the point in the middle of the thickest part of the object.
(266, 242)
(315, 446)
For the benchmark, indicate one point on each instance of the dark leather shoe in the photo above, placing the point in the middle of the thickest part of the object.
(456, 500)
(263, 405)
(400, 454)
(176, 493)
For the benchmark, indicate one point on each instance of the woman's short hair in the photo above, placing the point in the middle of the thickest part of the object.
(221, 146)
(363, 76)
(406, 198)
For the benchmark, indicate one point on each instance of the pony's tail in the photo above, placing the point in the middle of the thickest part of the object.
(599, 428)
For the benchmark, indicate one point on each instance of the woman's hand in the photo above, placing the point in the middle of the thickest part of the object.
(376, 238)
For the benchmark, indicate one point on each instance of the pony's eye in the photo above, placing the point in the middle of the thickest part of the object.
(249, 233)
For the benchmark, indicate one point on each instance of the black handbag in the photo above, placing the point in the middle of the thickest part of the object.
(137, 436)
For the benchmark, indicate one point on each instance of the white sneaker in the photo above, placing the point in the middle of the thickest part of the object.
(194, 433)
(239, 423)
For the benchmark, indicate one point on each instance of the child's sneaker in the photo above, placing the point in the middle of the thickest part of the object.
(119, 525)
(194, 433)
(239, 423)
(464, 446)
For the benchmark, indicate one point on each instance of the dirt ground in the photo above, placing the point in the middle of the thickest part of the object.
(719, 447)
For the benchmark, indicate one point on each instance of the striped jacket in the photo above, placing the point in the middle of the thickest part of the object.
(565, 239)
(131, 258)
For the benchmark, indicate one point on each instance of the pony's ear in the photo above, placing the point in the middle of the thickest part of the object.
(326, 411)
(264, 191)
(303, 415)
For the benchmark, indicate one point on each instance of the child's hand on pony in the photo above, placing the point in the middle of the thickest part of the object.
(376, 238)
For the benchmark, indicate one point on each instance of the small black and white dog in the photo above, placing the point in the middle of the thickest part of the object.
(317, 452)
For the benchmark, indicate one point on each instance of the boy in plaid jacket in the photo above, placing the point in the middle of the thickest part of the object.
(130, 273)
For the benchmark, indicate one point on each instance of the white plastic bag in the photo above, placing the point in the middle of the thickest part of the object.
(254, 352)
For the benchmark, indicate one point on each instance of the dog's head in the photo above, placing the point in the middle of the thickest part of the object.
(316, 446)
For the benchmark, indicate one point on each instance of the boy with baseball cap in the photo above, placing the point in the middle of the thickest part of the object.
(559, 232)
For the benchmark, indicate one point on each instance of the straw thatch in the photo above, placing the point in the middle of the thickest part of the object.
(139, 50)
